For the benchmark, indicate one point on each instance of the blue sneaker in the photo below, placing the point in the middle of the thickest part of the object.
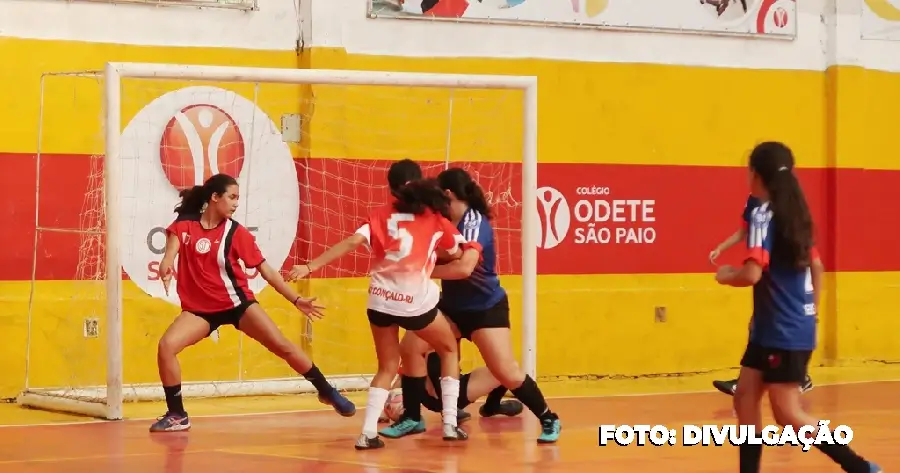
(873, 468)
(550, 428)
(341, 404)
(402, 428)
(171, 422)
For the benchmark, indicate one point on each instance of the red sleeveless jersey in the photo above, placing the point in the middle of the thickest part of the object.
(209, 273)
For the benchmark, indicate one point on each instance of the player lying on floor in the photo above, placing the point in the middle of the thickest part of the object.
(472, 386)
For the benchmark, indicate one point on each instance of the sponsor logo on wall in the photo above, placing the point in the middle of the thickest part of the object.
(760, 17)
(881, 20)
(178, 141)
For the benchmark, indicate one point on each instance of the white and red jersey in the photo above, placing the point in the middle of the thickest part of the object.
(210, 277)
(404, 248)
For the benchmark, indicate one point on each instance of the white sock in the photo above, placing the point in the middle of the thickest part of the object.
(449, 398)
(374, 407)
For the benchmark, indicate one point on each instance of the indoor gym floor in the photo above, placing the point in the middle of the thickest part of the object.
(228, 437)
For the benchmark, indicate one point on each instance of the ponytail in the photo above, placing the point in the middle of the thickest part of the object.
(415, 197)
(792, 242)
(793, 239)
(474, 196)
(461, 184)
(192, 201)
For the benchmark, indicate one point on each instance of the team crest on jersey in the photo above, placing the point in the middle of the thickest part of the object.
(471, 224)
(203, 246)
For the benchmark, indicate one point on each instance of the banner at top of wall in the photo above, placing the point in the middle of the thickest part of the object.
(743, 17)
(881, 20)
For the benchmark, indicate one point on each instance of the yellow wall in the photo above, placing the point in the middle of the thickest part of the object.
(610, 113)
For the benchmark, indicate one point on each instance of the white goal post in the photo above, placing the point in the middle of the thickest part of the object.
(107, 401)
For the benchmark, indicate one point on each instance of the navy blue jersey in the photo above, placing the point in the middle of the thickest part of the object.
(784, 309)
(482, 289)
(752, 203)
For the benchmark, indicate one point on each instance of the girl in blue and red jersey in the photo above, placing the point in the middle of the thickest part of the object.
(214, 291)
(740, 235)
(783, 328)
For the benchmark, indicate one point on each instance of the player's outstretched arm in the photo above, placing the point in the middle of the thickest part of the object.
(335, 252)
(307, 306)
(732, 240)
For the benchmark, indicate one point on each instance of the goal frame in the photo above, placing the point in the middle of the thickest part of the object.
(112, 75)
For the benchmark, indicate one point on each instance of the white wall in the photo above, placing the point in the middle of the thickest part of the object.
(275, 26)
(828, 33)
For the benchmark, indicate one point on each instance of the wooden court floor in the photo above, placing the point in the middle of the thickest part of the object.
(322, 442)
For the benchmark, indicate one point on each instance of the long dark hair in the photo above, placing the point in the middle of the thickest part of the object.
(773, 162)
(401, 172)
(193, 199)
(458, 181)
(415, 197)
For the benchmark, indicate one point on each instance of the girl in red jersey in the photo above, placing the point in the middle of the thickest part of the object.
(404, 236)
(213, 290)
(780, 252)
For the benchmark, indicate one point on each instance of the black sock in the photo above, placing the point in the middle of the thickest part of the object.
(413, 394)
(750, 456)
(492, 401)
(844, 456)
(318, 380)
(174, 403)
(530, 395)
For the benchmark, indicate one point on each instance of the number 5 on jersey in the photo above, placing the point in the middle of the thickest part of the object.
(396, 233)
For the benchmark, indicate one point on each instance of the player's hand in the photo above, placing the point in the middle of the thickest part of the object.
(724, 273)
(714, 254)
(299, 271)
(166, 272)
(309, 307)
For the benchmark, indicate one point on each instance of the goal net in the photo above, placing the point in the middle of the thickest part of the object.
(310, 149)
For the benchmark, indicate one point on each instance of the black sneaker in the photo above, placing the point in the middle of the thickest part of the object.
(726, 387)
(806, 386)
(462, 416)
(366, 443)
(509, 408)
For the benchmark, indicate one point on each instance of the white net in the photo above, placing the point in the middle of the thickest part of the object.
(311, 161)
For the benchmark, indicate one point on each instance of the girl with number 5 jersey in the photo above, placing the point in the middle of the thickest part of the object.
(404, 237)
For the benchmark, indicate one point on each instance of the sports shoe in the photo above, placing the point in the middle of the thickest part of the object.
(462, 416)
(550, 429)
(366, 443)
(453, 432)
(341, 404)
(509, 408)
(726, 387)
(171, 422)
(402, 428)
(806, 386)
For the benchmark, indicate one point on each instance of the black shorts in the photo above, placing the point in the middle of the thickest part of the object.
(777, 365)
(225, 317)
(468, 321)
(418, 322)
(434, 403)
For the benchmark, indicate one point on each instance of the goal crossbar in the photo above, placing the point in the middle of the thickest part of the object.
(107, 401)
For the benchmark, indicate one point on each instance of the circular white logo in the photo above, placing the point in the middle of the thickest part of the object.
(203, 246)
(554, 217)
(179, 140)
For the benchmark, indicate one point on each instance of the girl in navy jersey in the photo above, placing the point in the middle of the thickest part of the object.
(783, 329)
(740, 235)
(213, 291)
(476, 303)
(404, 237)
